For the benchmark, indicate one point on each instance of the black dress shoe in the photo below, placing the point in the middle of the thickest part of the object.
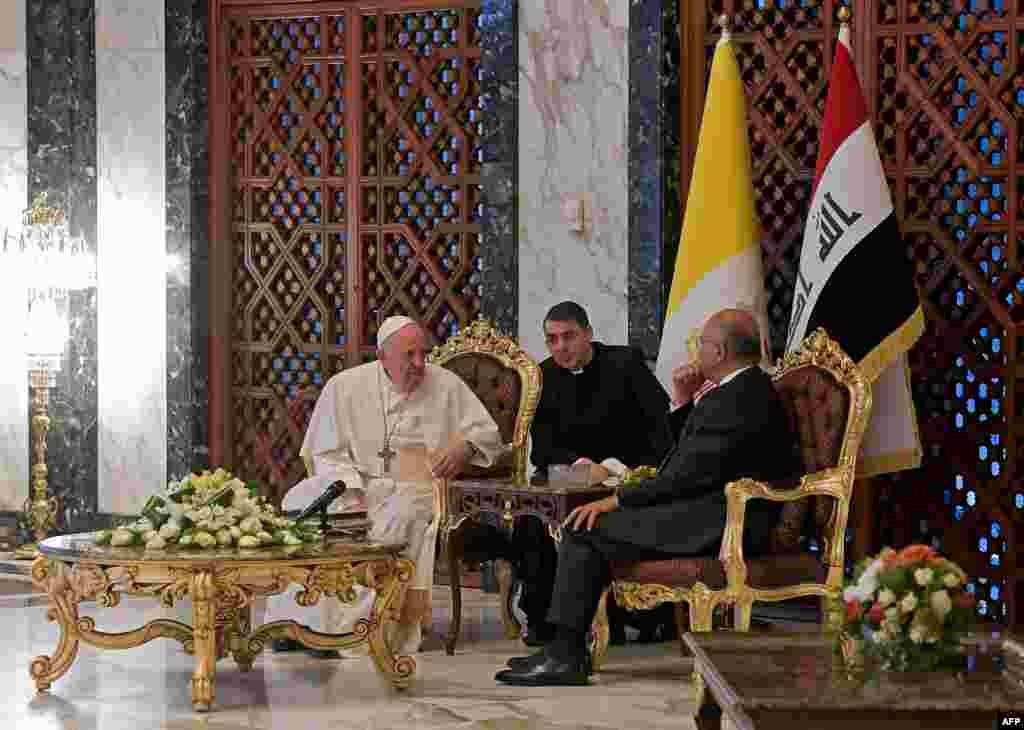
(548, 672)
(284, 645)
(524, 662)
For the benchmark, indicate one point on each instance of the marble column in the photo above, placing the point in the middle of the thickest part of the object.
(653, 165)
(14, 432)
(61, 81)
(573, 167)
(500, 247)
(132, 265)
(187, 196)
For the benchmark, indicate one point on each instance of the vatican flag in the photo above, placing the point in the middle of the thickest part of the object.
(719, 261)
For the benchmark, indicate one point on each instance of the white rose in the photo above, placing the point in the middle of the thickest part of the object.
(917, 634)
(923, 576)
(941, 604)
(886, 597)
(156, 543)
(950, 580)
(909, 603)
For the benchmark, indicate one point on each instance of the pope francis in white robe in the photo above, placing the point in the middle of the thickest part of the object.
(390, 429)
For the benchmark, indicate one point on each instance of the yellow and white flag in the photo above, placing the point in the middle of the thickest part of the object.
(718, 265)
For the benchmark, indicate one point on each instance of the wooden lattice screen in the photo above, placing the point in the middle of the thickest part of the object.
(945, 81)
(353, 194)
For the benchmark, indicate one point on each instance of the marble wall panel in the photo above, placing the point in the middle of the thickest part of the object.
(61, 137)
(14, 432)
(499, 247)
(573, 123)
(132, 265)
(187, 233)
(646, 171)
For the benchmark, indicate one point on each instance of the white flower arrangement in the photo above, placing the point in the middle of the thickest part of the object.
(208, 510)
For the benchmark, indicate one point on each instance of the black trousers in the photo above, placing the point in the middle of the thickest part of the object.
(584, 569)
(530, 549)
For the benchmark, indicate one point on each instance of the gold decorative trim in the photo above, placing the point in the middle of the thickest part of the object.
(888, 463)
(895, 344)
(480, 337)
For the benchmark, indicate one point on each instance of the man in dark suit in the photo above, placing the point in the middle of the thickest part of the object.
(597, 402)
(736, 429)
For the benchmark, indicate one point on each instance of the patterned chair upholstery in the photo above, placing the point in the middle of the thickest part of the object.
(827, 401)
(506, 380)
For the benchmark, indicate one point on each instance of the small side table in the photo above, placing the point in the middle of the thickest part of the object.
(468, 498)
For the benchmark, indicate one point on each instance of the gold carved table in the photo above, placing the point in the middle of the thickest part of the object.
(221, 585)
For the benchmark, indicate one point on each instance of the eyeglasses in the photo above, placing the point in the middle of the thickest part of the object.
(701, 340)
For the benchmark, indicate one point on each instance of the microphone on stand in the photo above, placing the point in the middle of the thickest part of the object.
(321, 503)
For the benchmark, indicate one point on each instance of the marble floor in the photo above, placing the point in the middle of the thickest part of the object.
(149, 687)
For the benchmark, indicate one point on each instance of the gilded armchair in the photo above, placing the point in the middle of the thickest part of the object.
(828, 402)
(507, 381)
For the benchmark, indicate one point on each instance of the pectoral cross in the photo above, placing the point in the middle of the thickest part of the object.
(387, 454)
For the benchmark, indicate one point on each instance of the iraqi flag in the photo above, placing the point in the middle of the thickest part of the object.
(852, 251)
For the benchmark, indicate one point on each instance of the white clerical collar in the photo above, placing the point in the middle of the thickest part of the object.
(732, 376)
(578, 371)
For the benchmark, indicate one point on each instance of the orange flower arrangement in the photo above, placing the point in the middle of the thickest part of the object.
(910, 607)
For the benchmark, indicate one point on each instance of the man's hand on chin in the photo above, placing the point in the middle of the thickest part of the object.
(587, 514)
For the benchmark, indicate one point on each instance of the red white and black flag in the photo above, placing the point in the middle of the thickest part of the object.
(855, 278)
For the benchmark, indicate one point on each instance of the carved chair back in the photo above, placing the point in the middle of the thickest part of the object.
(505, 379)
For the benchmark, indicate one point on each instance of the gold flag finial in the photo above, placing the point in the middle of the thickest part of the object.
(723, 23)
(844, 15)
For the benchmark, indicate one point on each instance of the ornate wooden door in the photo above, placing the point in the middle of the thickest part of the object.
(946, 83)
(345, 187)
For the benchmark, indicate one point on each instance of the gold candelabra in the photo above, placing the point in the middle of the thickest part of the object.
(40, 509)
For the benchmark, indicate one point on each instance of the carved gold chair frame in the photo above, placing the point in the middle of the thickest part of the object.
(817, 351)
(481, 338)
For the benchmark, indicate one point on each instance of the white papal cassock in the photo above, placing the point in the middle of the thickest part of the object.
(358, 410)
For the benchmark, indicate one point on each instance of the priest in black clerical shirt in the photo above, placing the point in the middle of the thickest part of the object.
(597, 402)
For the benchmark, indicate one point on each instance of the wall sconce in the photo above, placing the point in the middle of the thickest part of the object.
(52, 262)
(574, 212)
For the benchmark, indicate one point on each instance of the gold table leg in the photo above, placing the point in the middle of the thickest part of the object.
(389, 584)
(64, 610)
(203, 595)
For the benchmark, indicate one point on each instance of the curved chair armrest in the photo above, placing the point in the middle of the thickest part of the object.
(837, 483)
(442, 508)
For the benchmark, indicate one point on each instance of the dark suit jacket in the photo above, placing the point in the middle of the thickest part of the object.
(738, 430)
(615, 408)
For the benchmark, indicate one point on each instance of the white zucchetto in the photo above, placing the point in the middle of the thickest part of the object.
(390, 326)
